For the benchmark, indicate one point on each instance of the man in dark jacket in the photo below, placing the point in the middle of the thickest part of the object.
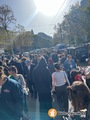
(29, 80)
(25, 70)
(55, 57)
(11, 99)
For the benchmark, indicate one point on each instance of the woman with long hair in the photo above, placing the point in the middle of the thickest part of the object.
(13, 74)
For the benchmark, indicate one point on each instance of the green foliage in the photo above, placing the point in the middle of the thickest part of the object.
(6, 16)
(38, 42)
(18, 38)
(75, 28)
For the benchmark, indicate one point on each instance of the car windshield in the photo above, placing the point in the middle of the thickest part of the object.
(82, 50)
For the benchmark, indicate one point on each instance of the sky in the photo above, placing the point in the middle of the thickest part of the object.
(31, 14)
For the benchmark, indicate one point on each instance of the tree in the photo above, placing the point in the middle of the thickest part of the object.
(6, 16)
(58, 35)
(85, 6)
(75, 26)
(19, 29)
(23, 39)
(84, 3)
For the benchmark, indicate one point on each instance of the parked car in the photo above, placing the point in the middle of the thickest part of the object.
(80, 53)
(71, 51)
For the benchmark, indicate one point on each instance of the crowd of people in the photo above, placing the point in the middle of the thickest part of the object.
(42, 75)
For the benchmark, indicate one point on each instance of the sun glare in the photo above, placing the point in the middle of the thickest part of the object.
(48, 7)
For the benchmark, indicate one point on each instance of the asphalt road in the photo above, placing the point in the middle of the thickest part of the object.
(33, 105)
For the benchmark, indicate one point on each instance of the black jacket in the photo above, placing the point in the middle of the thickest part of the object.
(30, 72)
(42, 77)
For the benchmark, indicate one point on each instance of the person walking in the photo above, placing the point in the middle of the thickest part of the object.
(30, 67)
(59, 80)
(43, 81)
(13, 74)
